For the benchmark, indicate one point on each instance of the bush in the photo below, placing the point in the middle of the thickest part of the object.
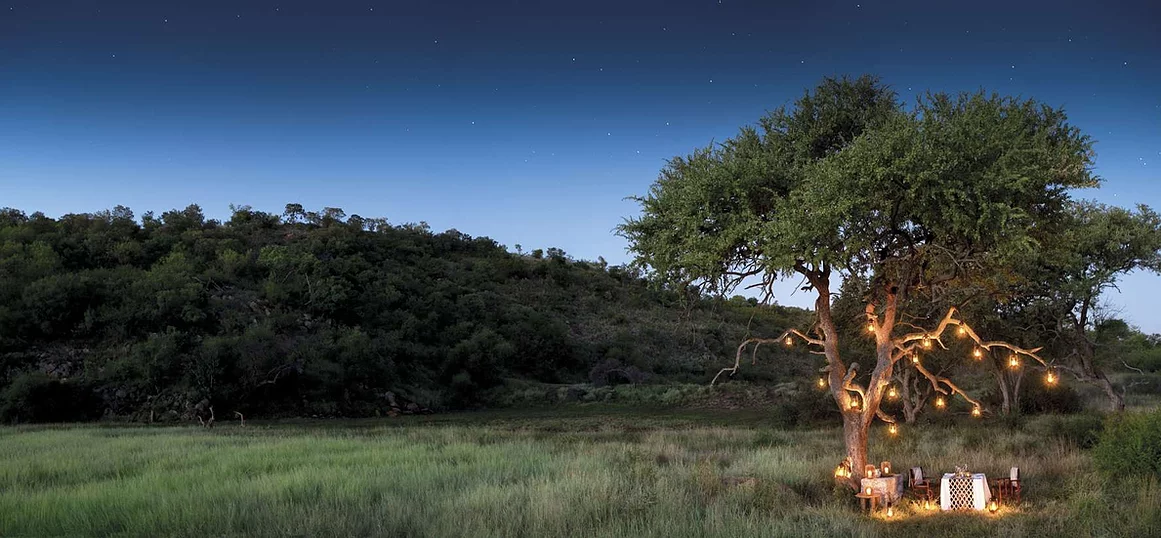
(1082, 430)
(1131, 446)
(37, 397)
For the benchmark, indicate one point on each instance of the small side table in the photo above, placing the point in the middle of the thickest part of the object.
(868, 502)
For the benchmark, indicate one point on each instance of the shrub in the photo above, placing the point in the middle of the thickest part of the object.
(37, 397)
(1131, 446)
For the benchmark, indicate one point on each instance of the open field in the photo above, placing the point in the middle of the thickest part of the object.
(565, 473)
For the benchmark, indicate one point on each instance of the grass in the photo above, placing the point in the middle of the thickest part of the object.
(543, 473)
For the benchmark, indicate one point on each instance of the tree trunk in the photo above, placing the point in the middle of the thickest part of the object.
(1006, 402)
(855, 439)
(1116, 401)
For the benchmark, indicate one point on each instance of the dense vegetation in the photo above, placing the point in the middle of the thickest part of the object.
(307, 313)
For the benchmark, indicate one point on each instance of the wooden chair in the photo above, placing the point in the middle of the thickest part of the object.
(919, 481)
(1011, 486)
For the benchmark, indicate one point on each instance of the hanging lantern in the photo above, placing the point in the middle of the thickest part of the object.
(914, 358)
(962, 331)
(1050, 378)
(822, 382)
(854, 403)
(927, 342)
(977, 353)
(892, 393)
(1014, 362)
(788, 342)
(976, 411)
(940, 402)
(838, 471)
(993, 507)
(870, 327)
(892, 429)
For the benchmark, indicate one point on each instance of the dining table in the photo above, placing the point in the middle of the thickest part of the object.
(964, 492)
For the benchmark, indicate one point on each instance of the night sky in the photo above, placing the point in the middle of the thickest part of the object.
(528, 122)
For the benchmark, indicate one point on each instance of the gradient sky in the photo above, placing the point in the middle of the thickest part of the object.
(528, 122)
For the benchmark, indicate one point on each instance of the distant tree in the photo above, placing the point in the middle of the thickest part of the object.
(1100, 244)
(949, 195)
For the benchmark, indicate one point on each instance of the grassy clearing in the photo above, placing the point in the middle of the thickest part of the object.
(529, 474)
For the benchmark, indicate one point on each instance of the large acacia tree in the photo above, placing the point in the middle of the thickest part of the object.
(949, 194)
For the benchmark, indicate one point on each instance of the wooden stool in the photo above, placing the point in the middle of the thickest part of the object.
(868, 502)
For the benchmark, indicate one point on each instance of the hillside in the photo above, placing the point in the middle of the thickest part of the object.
(320, 314)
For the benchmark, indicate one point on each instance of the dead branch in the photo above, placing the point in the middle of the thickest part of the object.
(241, 417)
(784, 337)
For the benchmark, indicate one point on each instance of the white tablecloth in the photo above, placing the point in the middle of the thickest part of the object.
(981, 493)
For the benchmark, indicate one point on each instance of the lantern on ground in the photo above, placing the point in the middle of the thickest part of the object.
(926, 504)
(993, 507)
(890, 511)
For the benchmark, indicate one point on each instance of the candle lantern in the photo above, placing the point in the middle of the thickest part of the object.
(961, 331)
(993, 507)
(822, 382)
(788, 341)
(940, 402)
(892, 429)
(1014, 362)
(976, 412)
(927, 343)
(870, 327)
(915, 358)
(867, 491)
(1050, 378)
(885, 467)
(977, 353)
(891, 393)
(869, 470)
(890, 511)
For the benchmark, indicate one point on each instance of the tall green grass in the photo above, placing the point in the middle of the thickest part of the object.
(530, 475)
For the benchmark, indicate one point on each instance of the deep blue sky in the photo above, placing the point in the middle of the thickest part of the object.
(528, 122)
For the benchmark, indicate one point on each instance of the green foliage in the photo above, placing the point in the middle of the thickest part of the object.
(1130, 446)
(36, 397)
(848, 179)
(311, 314)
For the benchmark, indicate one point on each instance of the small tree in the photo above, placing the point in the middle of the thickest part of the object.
(946, 196)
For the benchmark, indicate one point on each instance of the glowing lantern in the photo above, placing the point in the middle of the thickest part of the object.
(977, 353)
(891, 393)
(890, 511)
(915, 358)
(1014, 362)
(822, 382)
(886, 467)
(838, 471)
(926, 504)
(870, 327)
(869, 470)
(892, 429)
(1050, 378)
(854, 403)
(993, 507)
(940, 402)
(867, 491)
(789, 342)
(961, 331)
(976, 412)
(927, 342)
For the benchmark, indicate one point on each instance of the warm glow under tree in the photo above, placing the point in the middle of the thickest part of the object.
(950, 195)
